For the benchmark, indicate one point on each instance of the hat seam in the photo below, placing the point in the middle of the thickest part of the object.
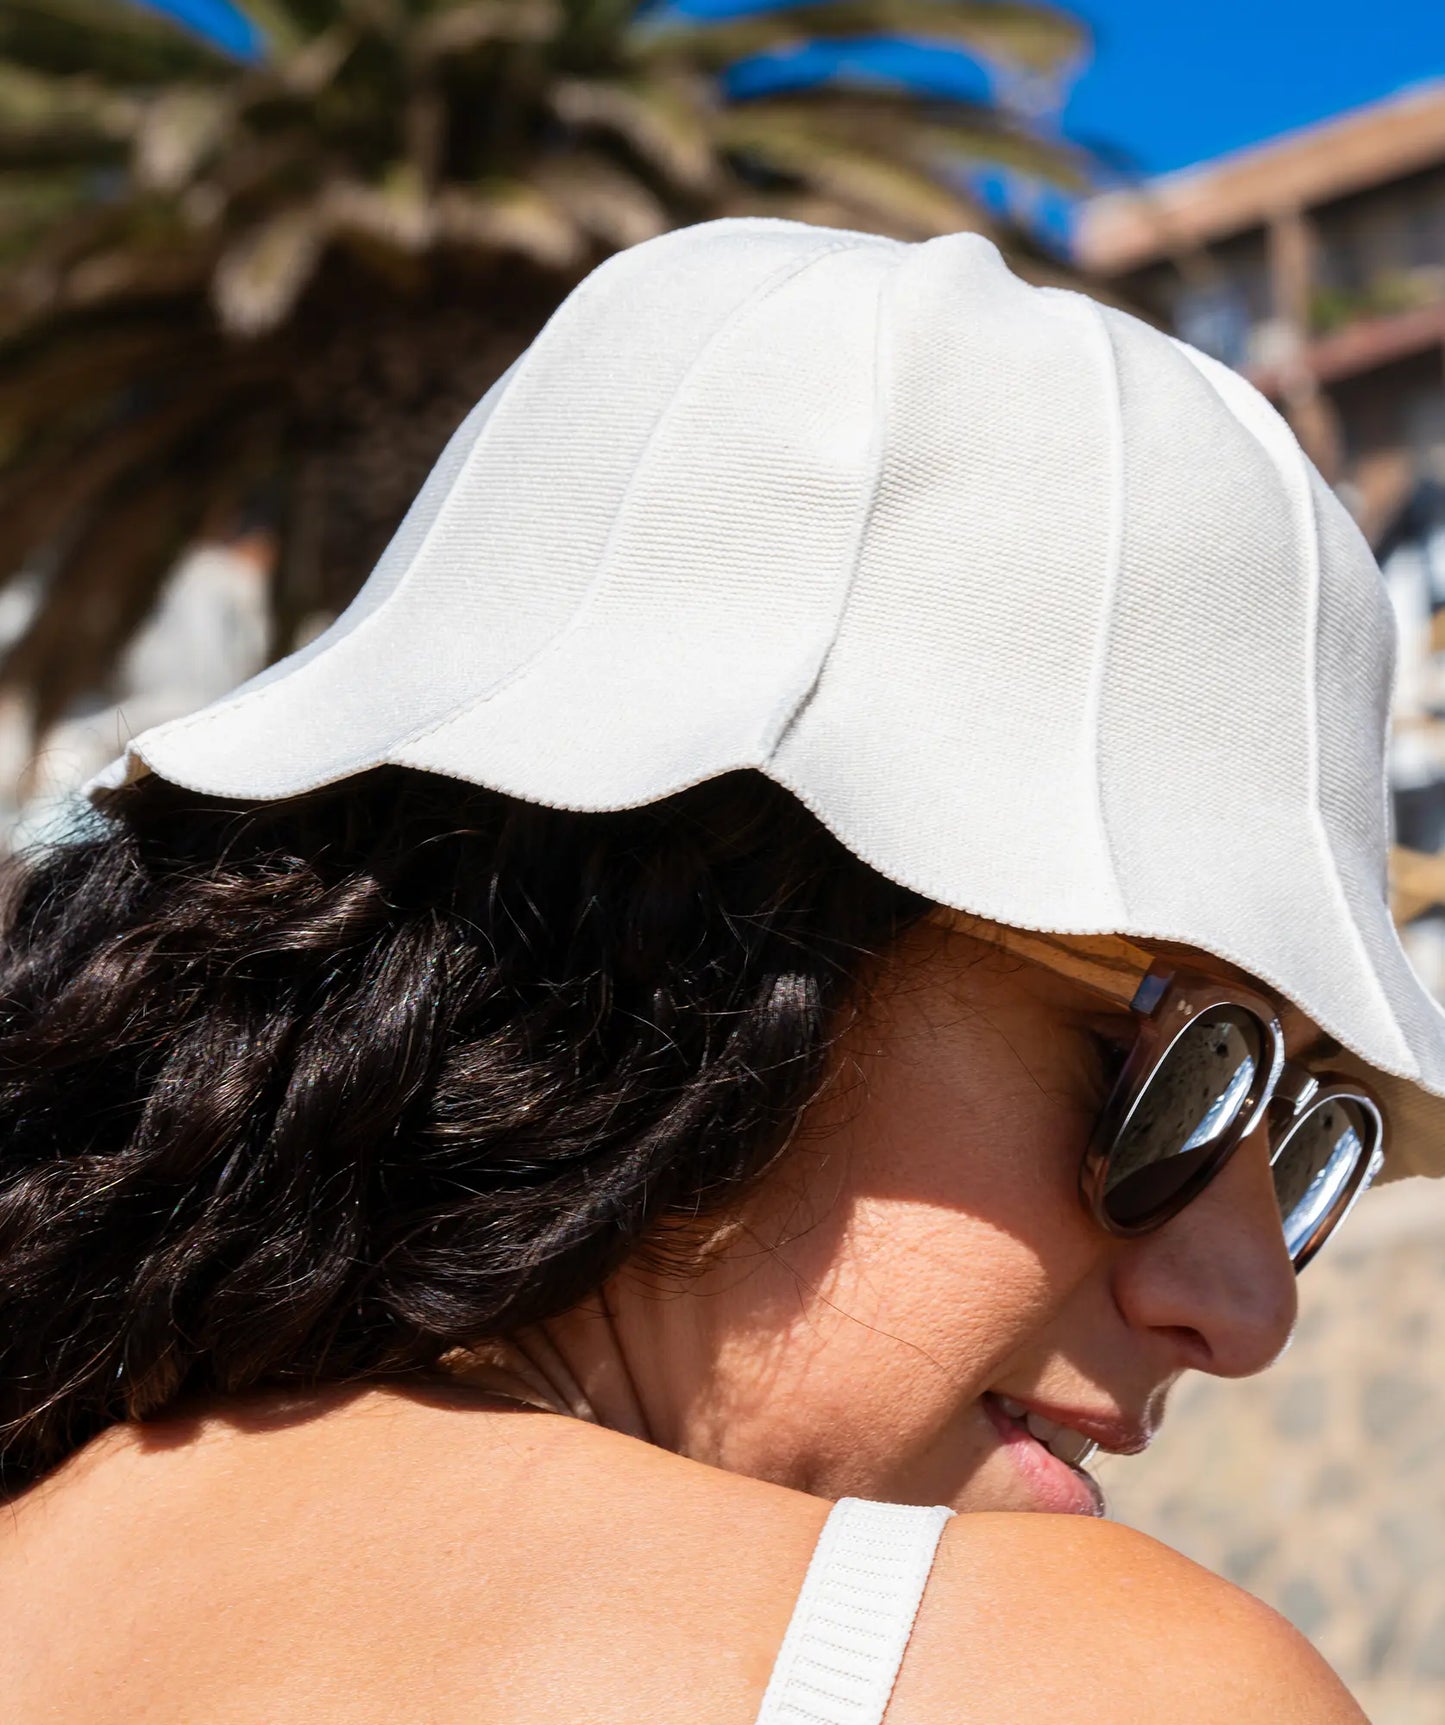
(587, 600)
(1293, 472)
(1114, 560)
(190, 723)
(789, 709)
(1298, 482)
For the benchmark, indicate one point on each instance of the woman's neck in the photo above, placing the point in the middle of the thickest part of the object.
(527, 1368)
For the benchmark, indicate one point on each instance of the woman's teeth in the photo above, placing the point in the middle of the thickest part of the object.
(1071, 1447)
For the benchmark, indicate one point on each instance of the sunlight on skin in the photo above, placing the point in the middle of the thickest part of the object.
(923, 1243)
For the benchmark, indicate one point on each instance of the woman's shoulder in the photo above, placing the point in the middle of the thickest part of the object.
(372, 1555)
(378, 1554)
(1052, 1620)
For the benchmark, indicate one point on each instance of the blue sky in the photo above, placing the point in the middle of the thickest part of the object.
(1175, 81)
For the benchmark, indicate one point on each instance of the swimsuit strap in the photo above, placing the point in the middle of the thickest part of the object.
(855, 1612)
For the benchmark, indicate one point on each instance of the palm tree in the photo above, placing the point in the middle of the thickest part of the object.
(266, 287)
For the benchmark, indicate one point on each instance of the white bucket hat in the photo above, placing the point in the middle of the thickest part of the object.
(1043, 612)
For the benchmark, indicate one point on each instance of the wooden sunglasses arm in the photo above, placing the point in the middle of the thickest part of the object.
(1107, 963)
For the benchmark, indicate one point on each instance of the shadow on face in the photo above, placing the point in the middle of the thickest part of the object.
(923, 1245)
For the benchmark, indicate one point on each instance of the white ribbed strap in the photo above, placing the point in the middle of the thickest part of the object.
(854, 1614)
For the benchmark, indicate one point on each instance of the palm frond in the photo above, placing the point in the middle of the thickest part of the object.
(74, 121)
(887, 122)
(100, 593)
(264, 272)
(115, 40)
(285, 27)
(888, 193)
(1034, 37)
(667, 123)
(32, 199)
(473, 24)
(396, 212)
(176, 132)
(602, 199)
(81, 250)
(42, 493)
(127, 273)
(306, 67)
(511, 217)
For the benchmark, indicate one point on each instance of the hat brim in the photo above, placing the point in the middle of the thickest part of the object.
(1044, 614)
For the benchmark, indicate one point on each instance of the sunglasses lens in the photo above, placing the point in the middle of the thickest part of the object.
(1172, 1138)
(1316, 1165)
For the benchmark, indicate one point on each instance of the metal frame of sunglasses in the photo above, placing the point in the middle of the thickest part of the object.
(1168, 997)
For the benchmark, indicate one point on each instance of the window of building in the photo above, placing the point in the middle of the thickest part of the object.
(1216, 320)
(1425, 223)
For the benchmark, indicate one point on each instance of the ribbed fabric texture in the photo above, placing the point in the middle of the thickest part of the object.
(855, 1612)
(1043, 613)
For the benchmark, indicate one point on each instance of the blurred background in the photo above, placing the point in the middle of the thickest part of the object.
(255, 266)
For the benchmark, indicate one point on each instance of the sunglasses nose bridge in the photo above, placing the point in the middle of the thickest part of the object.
(1294, 1086)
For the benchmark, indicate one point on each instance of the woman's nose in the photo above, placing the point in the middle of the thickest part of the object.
(1216, 1280)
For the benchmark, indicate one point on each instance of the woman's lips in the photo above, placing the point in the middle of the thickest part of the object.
(1054, 1486)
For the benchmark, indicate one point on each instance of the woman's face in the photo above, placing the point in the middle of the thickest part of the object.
(919, 1269)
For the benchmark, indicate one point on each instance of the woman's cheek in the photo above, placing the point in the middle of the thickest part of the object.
(966, 1232)
(957, 1290)
(1005, 1244)
(1009, 1164)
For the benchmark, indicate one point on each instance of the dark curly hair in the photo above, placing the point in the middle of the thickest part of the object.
(316, 1090)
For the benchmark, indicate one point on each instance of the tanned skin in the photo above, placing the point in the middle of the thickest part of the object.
(428, 1553)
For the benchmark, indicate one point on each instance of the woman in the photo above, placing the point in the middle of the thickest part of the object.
(813, 940)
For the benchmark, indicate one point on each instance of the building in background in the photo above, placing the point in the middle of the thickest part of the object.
(1315, 264)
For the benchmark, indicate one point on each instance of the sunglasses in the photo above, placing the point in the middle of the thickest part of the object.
(1206, 1066)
